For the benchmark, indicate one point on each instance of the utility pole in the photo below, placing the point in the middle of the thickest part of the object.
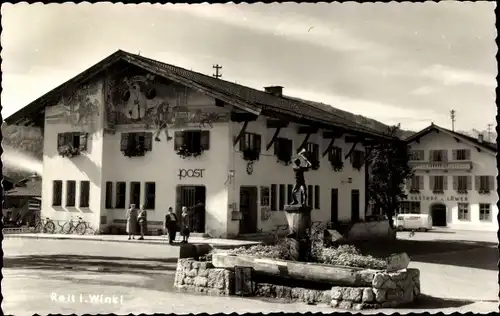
(452, 115)
(490, 126)
(217, 75)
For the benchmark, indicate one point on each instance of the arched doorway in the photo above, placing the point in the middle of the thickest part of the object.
(438, 214)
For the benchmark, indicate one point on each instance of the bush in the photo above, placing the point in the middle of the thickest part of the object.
(279, 250)
(348, 255)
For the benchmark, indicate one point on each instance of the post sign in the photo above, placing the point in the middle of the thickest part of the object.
(397, 262)
(191, 173)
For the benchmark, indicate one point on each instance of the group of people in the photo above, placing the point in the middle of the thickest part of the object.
(137, 220)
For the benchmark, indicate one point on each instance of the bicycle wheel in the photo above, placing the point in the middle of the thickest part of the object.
(66, 229)
(81, 228)
(38, 228)
(49, 227)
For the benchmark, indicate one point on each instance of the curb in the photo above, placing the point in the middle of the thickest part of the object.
(159, 242)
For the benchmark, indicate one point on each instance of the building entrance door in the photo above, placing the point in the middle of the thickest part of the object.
(248, 209)
(194, 198)
(438, 214)
(355, 205)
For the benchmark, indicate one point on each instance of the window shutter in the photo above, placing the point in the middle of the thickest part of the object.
(467, 154)
(432, 182)
(455, 182)
(205, 140)
(68, 139)
(431, 155)
(60, 140)
(290, 146)
(420, 182)
(477, 184)
(277, 145)
(445, 155)
(241, 143)
(469, 183)
(257, 142)
(83, 141)
(124, 141)
(445, 183)
(454, 154)
(148, 141)
(491, 184)
(408, 184)
(421, 154)
(178, 140)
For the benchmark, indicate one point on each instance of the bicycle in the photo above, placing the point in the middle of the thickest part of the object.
(44, 225)
(78, 226)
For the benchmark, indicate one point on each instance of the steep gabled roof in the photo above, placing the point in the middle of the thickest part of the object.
(248, 99)
(465, 138)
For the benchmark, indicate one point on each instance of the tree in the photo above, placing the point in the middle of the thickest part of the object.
(388, 170)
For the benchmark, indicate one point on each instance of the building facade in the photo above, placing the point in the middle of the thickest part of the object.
(454, 179)
(138, 134)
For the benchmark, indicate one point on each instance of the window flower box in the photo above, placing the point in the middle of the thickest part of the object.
(251, 154)
(484, 191)
(462, 191)
(438, 191)
(414, 191)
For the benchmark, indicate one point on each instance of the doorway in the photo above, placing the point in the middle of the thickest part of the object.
(194, 198)
(438, 214)
(248, 209)
(334, 208)
(354, 205)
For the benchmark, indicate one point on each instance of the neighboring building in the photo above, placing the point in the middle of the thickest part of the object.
(454, 179)
(134, 130)
(22, 201)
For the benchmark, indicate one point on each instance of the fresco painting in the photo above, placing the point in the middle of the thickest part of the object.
(146, 102)
(78, 107)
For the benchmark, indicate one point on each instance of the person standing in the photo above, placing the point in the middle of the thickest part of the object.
(171, 225)
(142, 218)
(185, 229)
(131, 221)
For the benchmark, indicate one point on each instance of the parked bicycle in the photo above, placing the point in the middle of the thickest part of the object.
(78, 226)
(44, 225)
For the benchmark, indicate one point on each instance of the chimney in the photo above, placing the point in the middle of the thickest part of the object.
(274, 90)
(480, 138)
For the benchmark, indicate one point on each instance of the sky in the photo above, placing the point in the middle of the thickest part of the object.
(408, 63)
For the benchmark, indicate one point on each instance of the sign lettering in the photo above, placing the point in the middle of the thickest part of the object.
(191, 173)
(437, 198)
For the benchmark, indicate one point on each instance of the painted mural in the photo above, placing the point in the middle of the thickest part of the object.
(78, 107)
(145, 101)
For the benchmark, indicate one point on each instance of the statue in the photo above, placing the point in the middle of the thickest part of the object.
(300, 182)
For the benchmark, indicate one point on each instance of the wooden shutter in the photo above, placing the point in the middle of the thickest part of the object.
(491, 182)
(205, 140)
(277, 145)
(258, 143)
(477, 184)
(454, 154)
(467, 154)
(178, 140)
(432, 182)
(60, 140)
(421, 154)
(408, 184)
(420, 182)
(148, 141)
(431, 155)
(445, 155)
(124, 141)
(455, 182)
(445, 183)
(241, 142)
(316, 197)
(469, 183)
(83, 141)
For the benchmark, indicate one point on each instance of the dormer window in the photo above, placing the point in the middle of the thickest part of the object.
(71, 144)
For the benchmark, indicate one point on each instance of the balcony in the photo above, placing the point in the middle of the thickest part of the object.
(438, 165)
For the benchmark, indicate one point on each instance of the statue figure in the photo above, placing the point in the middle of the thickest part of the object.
(300, 182)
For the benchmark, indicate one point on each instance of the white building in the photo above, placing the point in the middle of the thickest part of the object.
(101, 152)
(454, 179)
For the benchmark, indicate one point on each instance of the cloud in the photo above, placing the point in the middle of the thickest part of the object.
(452, 76)
(424, 90)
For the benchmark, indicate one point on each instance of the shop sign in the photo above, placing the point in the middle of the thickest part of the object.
(191, 173)
(437, 198)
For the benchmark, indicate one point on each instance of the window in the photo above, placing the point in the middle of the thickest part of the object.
(283, 148)
(313, 151)
(194, 141)
(438, 183)
(357, 159)
(273, 197)
(57, 193)
(463, 211)
(335, 155)
(120, 194)
(70, 193)
(484, 212)
(409, 208)
(136, 144)
(438, 155)
(84, 193)
(417, 183)
(135, 193)
(461, 154)
(250, 141)
(310, 196)
(75, 141)
(109, 195)
(282, 196)
(316, 197)
(289, 194)
(485, 183)
(264, 196)
(462, 183)
(416, 155)
(149, 198)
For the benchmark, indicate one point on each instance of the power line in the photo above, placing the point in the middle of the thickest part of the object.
(217, 75)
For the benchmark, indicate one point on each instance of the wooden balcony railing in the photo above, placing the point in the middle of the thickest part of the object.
(450, 165)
